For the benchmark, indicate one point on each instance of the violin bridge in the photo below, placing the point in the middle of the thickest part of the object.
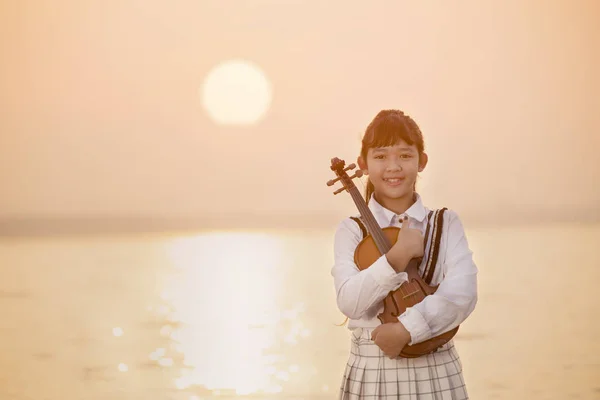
(411, 294)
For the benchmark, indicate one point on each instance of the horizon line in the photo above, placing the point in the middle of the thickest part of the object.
(48, 225)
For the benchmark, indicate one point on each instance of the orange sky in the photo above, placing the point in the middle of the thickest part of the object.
(101, 114)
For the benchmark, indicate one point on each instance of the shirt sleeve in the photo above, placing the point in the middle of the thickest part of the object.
(357, 291)
(456, 296)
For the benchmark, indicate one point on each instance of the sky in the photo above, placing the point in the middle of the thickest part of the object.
(103, 112)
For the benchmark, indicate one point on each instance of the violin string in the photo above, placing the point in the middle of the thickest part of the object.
(378, 233)
(378, 236)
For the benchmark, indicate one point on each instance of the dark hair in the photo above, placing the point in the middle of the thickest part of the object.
(388, 128)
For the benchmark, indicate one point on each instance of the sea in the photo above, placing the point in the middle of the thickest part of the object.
(251, 314)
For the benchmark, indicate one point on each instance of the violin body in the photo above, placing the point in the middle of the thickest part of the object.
(407, 295)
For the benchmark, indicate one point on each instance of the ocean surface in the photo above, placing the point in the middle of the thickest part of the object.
(243, 314)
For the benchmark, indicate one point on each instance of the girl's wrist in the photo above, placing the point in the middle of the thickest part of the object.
(397, 260)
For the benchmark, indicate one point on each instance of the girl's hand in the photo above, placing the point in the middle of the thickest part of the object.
(409, 245)
(391, 338)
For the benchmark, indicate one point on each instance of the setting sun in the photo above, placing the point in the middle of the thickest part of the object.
(236, 93)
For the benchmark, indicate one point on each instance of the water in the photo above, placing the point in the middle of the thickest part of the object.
(252, 315)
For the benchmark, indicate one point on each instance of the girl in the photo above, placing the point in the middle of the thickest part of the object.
(392, 155)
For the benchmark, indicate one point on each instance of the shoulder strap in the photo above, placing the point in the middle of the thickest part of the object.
(427, 232)
(360, 225)
(437, 224)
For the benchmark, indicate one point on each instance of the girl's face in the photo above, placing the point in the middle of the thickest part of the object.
(393, 170)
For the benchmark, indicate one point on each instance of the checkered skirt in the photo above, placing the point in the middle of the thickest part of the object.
(370, 374)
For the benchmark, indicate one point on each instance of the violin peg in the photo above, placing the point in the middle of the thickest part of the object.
(357, 174)
(332, 181)
(339, 191)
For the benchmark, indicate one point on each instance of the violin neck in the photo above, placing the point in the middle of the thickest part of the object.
(381, 241)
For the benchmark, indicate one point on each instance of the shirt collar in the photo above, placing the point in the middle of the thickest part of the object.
(386, 217)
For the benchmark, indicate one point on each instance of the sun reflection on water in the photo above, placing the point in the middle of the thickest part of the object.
(225, 319)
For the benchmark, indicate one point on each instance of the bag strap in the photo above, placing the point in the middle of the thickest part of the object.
(360, 225)
(437, 224)
(427, 232)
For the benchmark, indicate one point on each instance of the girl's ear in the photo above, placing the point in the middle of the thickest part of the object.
(423, 161)
(362, 164)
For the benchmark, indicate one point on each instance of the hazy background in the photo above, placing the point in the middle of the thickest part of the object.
(152, 247)
(101, 116)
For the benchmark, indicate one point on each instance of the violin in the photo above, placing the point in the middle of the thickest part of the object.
(377, 243)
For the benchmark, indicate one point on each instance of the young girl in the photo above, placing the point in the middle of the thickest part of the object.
(392, 155)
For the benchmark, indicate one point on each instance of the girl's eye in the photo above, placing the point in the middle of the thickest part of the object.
(405, 156)
(379, 157)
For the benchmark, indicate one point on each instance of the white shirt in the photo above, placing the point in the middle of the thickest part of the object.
(360, 294)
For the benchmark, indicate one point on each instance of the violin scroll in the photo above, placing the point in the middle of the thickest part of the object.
(337, 166)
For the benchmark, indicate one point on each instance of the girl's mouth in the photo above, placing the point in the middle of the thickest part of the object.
(394, 181)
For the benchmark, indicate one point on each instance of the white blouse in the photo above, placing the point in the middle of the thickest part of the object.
(360, 294)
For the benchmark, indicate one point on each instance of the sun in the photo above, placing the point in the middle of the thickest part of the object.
(236, 92)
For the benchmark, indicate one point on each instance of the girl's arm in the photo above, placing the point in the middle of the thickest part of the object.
(356, 290)
(456, 296)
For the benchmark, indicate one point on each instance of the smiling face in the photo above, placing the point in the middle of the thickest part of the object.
(393, 171)
(392, 154)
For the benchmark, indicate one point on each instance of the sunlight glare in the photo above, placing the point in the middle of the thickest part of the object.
(223, 300)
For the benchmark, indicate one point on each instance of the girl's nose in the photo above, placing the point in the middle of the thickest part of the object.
(394, 166)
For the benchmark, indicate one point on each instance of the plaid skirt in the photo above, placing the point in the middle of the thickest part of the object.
(370, 374)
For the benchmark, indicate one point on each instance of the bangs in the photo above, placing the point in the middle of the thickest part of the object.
(390, 131)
